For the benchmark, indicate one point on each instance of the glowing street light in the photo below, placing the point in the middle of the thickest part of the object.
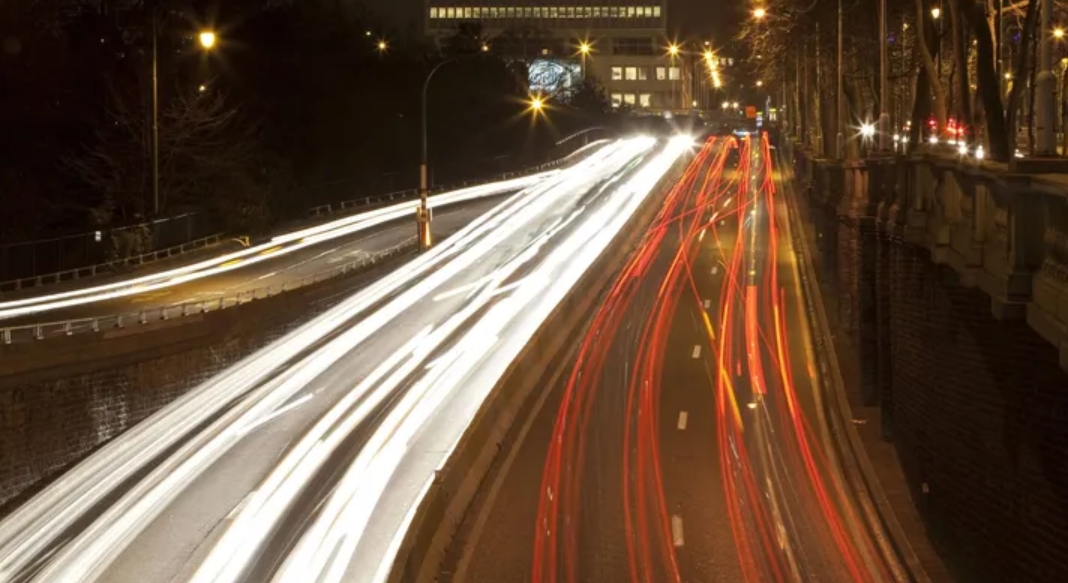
(759, 13)
(485, 48)
(585, 48)
(537, 104)
(734, 104)
(726, 105)
(382, 46)
(207, 39)
(673, 50)
(760, 83)
(936, 12)
(1058, 33)
(867, 130)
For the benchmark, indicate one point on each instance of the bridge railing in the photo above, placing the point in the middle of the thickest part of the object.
(69, 327)
(91, 270)
(325, 210)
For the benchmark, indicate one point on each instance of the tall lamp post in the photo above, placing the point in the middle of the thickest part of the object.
(422, 214)
(207, 41)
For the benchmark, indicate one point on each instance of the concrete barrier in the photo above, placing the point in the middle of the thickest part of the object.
(856, 465)
(439, 515)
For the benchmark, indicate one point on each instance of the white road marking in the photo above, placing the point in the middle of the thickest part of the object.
(684, 417)
(715, 269)
(708, 304)
(677, 538)
(277, 413)
(271, 274)
(697, 351)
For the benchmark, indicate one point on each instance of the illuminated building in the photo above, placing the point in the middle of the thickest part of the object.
(628, 51)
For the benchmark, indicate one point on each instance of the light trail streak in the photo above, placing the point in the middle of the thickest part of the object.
(277, 246)
(437, 364)
(788, 508)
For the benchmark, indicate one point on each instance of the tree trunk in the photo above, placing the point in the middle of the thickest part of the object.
(938, 92)
(988, 82)
(960, 63)
(1016, 93)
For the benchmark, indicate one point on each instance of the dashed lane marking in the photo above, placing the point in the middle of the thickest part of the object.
(684, 418)
(697, 351)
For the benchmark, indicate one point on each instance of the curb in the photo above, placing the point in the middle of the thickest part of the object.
(856, 465)
(441, 511)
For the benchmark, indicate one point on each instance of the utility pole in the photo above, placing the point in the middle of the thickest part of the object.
(1044, 82)
(155, 111)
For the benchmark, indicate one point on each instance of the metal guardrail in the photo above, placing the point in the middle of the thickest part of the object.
(411, 193)
(41, 331)
(91, 270)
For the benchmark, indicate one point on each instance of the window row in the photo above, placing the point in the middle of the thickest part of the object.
(642, 73)
(632, 99)
(471, 12)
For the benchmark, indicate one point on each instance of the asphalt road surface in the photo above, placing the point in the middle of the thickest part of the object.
(303, 462)
(687, 440)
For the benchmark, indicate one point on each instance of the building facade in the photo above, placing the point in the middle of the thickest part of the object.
(626, 45)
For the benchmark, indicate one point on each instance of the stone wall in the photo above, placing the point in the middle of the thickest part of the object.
(933, 264)
(60, 400)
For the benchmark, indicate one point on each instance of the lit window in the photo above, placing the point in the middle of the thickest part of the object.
(661, 73)
(632, 73)
(492, 12)
(674, 73)
(613, 11)
(631, 12)
(450, 13)
(643, 73)
(596, 11)
(656, 12)
(434, 12)
(553, 12)
(617, 99)
(467, 13)
(528, 12)
(617, 73)
(645, 100)
(629, 99)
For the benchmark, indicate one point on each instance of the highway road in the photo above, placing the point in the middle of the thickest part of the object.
(285, 258)
(303, 462)
(687, 440)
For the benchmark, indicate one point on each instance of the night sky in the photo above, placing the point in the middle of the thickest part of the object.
(686, 17)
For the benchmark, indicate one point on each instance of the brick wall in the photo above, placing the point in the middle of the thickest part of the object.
(978, 408)
(980, 416)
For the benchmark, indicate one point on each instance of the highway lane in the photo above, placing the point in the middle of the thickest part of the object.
(304, 262)
(155, 289)
(688, 443)
(306, 458)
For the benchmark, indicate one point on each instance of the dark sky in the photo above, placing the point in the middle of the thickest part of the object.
(686, 17)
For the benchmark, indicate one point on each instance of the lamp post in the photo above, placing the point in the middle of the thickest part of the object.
(207, 41)
(1044, 82)
(422, 214)
(673, 51)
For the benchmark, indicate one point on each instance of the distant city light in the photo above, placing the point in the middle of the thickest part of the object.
(207, 39)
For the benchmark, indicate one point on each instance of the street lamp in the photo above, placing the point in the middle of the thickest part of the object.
(422, 214)
(1058, 33)
(382, 46)
(760, 84)
(584, 51)
(537, 104)
(207, 41)
(936, 12)
(759, 13)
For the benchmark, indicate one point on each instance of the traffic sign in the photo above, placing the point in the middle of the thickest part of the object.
(750, 112)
